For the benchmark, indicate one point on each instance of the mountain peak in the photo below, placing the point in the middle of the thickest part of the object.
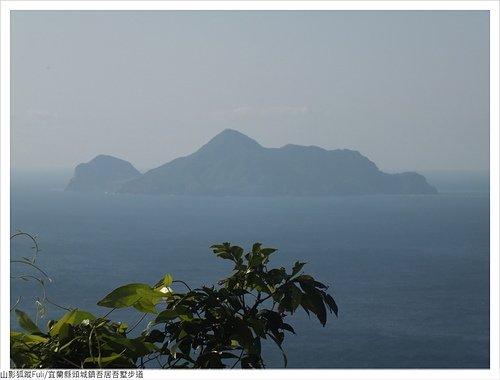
(232, 135)
(228, 139)
(102, 173)
(103, 157)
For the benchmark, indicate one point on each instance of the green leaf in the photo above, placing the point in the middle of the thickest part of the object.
(155, 336)
(256, 260)
(315, 298)
(145, 305)
(254, 281)
(297, 267)
(291, 299)
(286, 303)
(275, 276)
(103, 361)
(124, 296)
(68, 344)
(129, 348)
(305, 278)
(140, 296)
(140, 347)
(209, 360)
(185, 346)
(306, 304)
(287, 327)
(306, 282)
(166, 281)
(27, 338)
(295, 296)
(255, 348)
(220, 247)
(267, 251)
(225, 255)
(258, 327)
(278, 295)
(74, 317)
(331, 304)
(65, 332)
(169, 314)
(228, 252)
(320, 285)
(234, 343)
(26, 323)
(274, 319)
(237, 252)
(243, 333)
(181, 335)
(121, 328)
(256, 248)
(319, 307)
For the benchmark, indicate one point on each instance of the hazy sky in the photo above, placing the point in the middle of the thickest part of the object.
(409, 90)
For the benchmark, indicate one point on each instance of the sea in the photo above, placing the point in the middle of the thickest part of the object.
(410, 273)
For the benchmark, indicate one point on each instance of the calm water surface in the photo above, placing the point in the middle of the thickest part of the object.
(410, 273)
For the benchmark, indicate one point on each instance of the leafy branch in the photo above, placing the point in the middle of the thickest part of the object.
(218, 326)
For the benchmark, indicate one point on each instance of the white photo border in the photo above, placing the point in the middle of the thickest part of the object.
(456, 374)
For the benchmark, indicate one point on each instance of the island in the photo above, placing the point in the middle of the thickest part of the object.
(102, 174)
(233, 164)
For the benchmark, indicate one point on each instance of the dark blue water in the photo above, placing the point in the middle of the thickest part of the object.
(410, 273)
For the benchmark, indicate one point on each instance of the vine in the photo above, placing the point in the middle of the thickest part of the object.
(218, 326)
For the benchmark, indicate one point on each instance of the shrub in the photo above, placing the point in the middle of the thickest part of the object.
(219, 326)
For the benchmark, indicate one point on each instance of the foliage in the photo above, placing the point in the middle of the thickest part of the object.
(209, 327)
(36, 274)
(77, 340)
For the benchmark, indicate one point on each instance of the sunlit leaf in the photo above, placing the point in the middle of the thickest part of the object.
(27, 338)
(25, 322)
(166, 281)
(103, 361)
(74, 317)
(140, 296)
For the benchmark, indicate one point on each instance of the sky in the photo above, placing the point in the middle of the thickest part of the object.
(408, 89)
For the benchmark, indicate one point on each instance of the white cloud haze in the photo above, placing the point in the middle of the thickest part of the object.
(409, 89)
